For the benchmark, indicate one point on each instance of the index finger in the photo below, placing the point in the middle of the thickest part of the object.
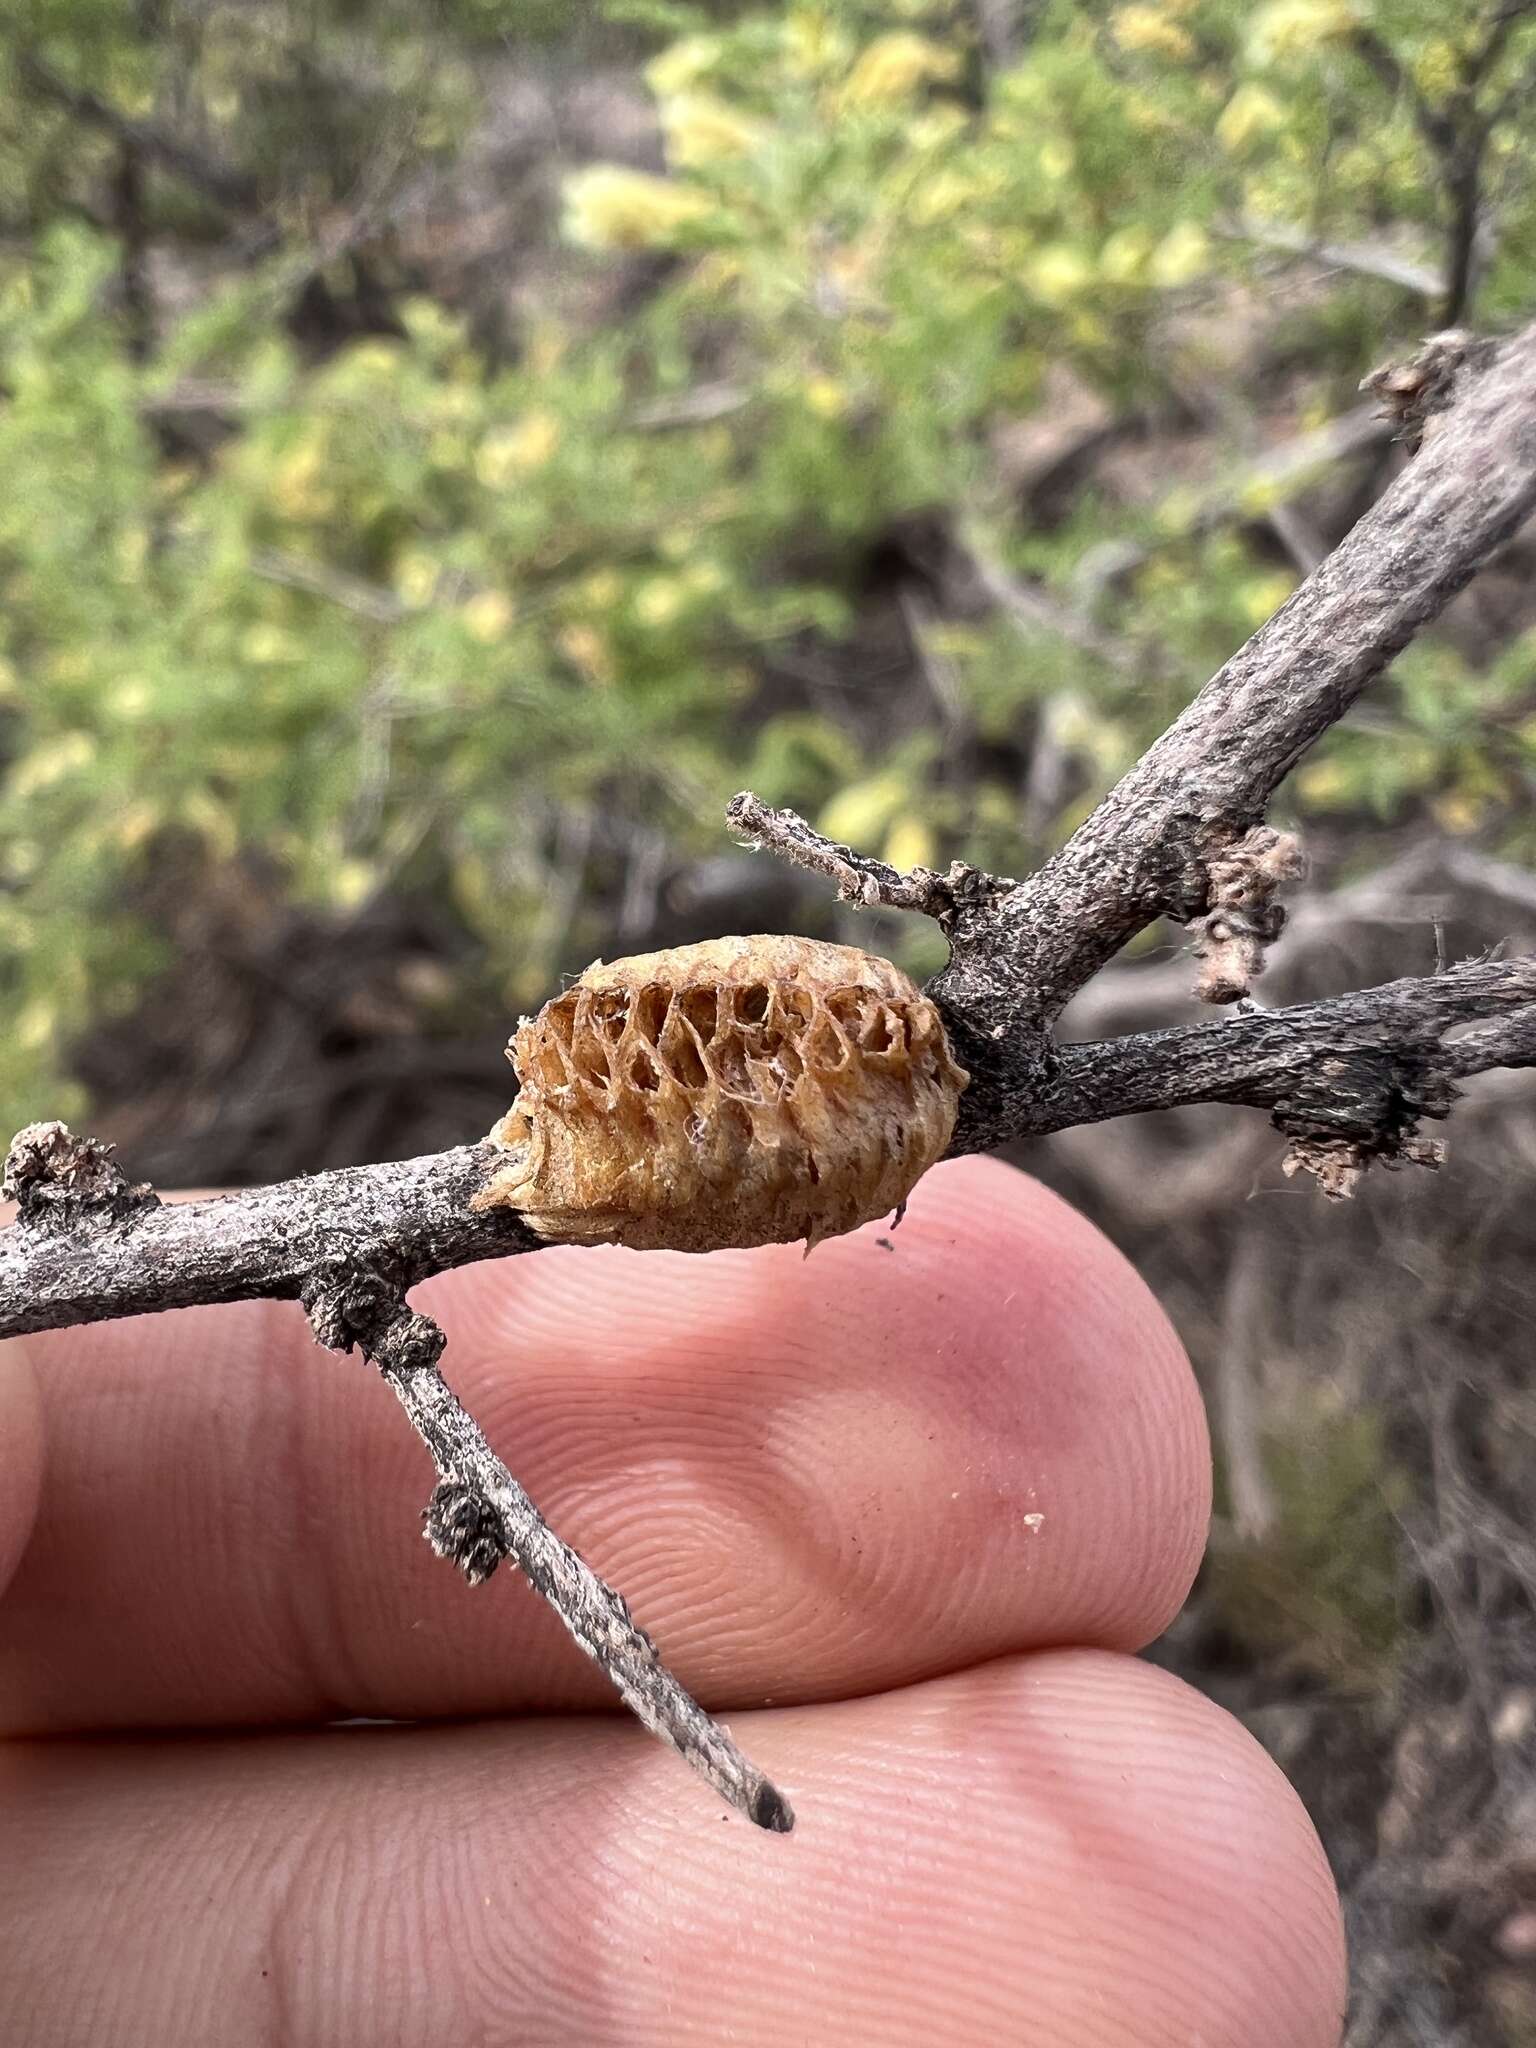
(810, 1477)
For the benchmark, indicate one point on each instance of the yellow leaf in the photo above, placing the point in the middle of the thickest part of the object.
(136, 823)
(51, 762)
(1058, 273)
(297, 489)
(34, 1024)
(1437, 70)
(349, 883)
(367, 360)
(130, 699)
(416, 577)
(487, 616)
(813, 45)
(860, 813)
(941, 197)
(1248, 116)
(825, 397)
(704, 579)
(1292, 28)
(682, 65)
(608, 207)
(1325, 783)
(909, 844)
(587, 650)
(702, 131)
(659, 600)
(1264, 595)
(1149, 29)
(1125, 256)
(266, 644)
(513, 451)
(892, 68)
(1180, 256)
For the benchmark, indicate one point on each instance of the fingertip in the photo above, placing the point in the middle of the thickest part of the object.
(21, 1455)
(1110, 1851)
(990, 1367)
(1103, 1333)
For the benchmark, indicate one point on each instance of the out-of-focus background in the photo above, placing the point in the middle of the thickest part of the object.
(445, 451)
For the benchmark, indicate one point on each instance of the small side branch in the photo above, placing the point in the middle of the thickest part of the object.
(478, 1514)
(858, 878)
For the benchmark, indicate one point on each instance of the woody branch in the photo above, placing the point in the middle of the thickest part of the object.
(1181, 836)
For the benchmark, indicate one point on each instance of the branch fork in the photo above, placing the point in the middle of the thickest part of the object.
(1183, 835)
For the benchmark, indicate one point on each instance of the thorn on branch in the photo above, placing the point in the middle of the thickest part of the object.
(59, 1181)
(860, 878)
(1413, 391)
(1244, 917)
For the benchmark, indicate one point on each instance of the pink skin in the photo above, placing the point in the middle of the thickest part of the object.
(901, 1510)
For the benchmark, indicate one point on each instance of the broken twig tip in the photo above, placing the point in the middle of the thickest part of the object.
(770, 1809)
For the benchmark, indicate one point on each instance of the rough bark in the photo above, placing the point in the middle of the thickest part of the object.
(1371, 1063)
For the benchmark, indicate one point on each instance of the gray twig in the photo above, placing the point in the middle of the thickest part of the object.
(478, 1514)
(1147, 849)
(1363, 1068)
(859, 878)
(87, 1245)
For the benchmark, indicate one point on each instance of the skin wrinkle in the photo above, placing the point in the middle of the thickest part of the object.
(315, 1607)
(842, 1561)
(1095, 1857)
(612, 1505)
(905, 1786)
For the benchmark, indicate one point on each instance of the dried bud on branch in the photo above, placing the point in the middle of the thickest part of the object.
(1244, 916)
(745, 1091)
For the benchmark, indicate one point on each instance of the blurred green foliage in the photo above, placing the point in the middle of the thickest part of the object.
(432, 592)
(1322, 1587)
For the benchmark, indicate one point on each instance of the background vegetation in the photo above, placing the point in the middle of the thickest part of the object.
(448, 451)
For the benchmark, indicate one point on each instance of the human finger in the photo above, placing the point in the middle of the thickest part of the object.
(810, 1477)
(1068, 1850)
